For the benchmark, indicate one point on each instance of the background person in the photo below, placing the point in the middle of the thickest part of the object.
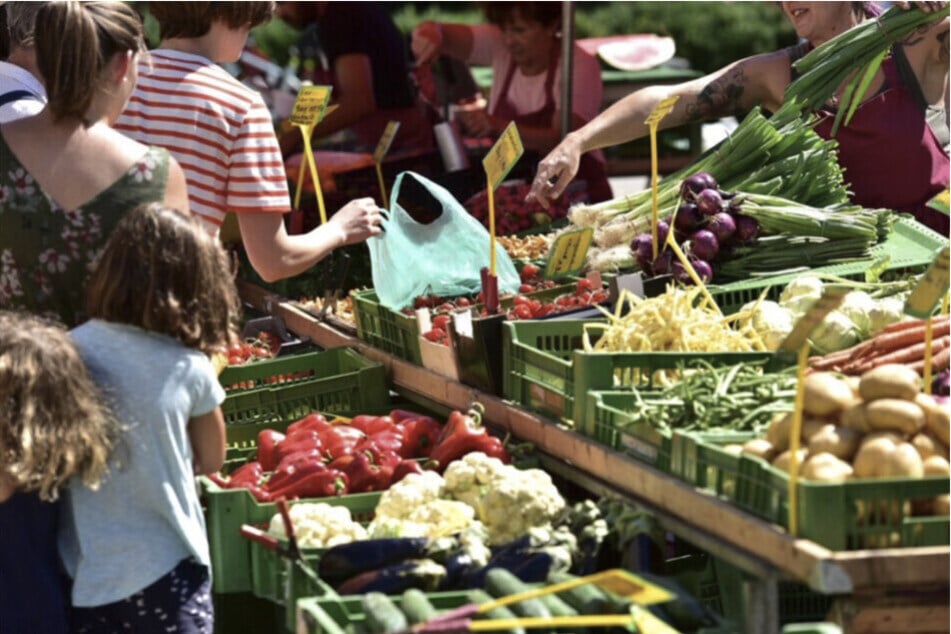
(53, 426)
(895, 150)
(161, 300)
(67, 176)
(21, 91)
(522, 44)
(221, 133)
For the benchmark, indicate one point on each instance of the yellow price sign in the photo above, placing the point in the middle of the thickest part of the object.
(931, 288)
(568, 253)
(383, 146)
(310, 105)
(660, 111)
(503, 156)
(831, 297)
(942, 202)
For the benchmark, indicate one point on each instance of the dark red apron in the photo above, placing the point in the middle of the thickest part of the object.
(591, 170)
(890, 154)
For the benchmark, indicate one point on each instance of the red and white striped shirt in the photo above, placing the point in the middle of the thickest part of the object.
(218, 130)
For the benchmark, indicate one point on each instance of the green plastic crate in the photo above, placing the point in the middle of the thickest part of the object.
(341, 615)
(910, 248)
(340, 380)
(545, 368)
(698, 458)
(386, 329)
(227, 509)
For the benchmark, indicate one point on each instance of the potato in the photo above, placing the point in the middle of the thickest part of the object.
(810, 426)
(782, 460)
(895, 414)
(778, 431)
(825, 394)
(853, 383)
(936, 465)
(927, 445)
(890, 381)
(841, 442)
(937, 417)
(759, 447)
(942, 505)
(855, 417)
(869, 461)
(904, 462)
(824, 467)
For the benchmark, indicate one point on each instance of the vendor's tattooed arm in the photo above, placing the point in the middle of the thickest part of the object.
(720, 98)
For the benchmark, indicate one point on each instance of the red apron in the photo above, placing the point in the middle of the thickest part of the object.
(591, 170)
(890, 154)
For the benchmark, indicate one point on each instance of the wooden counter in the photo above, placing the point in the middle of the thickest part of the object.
(762, 550)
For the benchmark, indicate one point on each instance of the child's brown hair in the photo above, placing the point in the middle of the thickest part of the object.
(194, 19)
(53, 423)
(162, 272)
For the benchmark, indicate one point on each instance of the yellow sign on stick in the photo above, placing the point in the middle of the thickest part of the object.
(931, 289)
(503, 156)
(831, 297)
(382, 147)
(660, 111)
(942, 202)
(497, 164)
(568, 253)
(309, 108)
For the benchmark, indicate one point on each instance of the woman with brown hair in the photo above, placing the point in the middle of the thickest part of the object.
(67, 176)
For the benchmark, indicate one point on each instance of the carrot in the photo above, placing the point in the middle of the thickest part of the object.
(939, 361)
(909, 323)
(888, 342)
(909, 354)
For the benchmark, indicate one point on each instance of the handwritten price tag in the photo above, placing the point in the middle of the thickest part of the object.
(932, 287)
(942, 202)
(310, 105)
(661, 110)
(569, 252)
(383, 146)
(503, 156)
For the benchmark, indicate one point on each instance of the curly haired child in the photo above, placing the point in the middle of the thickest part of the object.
(53, 426)
(160, 301)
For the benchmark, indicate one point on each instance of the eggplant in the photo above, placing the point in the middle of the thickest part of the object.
(423, 574)
(529, 566)
(347, 560)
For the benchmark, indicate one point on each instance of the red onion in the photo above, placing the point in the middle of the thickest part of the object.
(722, 226)
(661, 266)
(688, 218)
(695, 184)
(704, 245)
(709, 202)
(643, 248)
(746, 228)
(703, 270)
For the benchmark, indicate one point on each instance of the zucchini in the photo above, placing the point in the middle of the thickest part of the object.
(480, 596)
(416, 606)
(586, 599)
(382, 615)
(499, 582)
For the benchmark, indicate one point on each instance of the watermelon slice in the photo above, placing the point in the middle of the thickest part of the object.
(631, 52)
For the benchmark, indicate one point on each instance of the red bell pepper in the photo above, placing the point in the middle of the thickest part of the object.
(294, 466)
(339, 440)
(377, 454)
(366, 476)
(404, 468)
(314, 422)
(341, 463)
(372, 424)
(463, 434)
(419, 436)
(321, 483)
(268, 440)
(402, 415)
(248, 473)
(384, 440)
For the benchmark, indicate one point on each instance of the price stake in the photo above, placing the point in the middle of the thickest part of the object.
(568, 253)
(708, 298)
(942, 202)
(795, 429)
(497, 164)
(309, 108)
(660, 111)
(831, 297)
(382, 147)
(932, 287)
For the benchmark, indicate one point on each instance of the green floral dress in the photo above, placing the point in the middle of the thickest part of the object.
(47, 252)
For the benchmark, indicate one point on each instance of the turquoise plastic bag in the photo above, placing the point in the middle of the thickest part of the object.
(432, 246)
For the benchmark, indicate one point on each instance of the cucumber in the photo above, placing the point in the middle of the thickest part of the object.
(586, 599)
(382, 615)
(480, 596)
(499, 582)
(416, 606)
(557, 606)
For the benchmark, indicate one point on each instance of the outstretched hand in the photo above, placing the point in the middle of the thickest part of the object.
(555, 172)
(358, 220)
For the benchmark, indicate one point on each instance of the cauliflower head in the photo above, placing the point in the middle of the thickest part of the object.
(467, 479)
(413, 491)
(521, 500)
(319, 525)
(443, 517)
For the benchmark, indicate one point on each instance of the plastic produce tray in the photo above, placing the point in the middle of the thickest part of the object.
(340, 381)
(227, 509)
(910, 247)
(332, 615)
(545, 368)
(832, 515)
(386, 329)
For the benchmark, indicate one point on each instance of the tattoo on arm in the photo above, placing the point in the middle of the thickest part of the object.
(720, 98)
